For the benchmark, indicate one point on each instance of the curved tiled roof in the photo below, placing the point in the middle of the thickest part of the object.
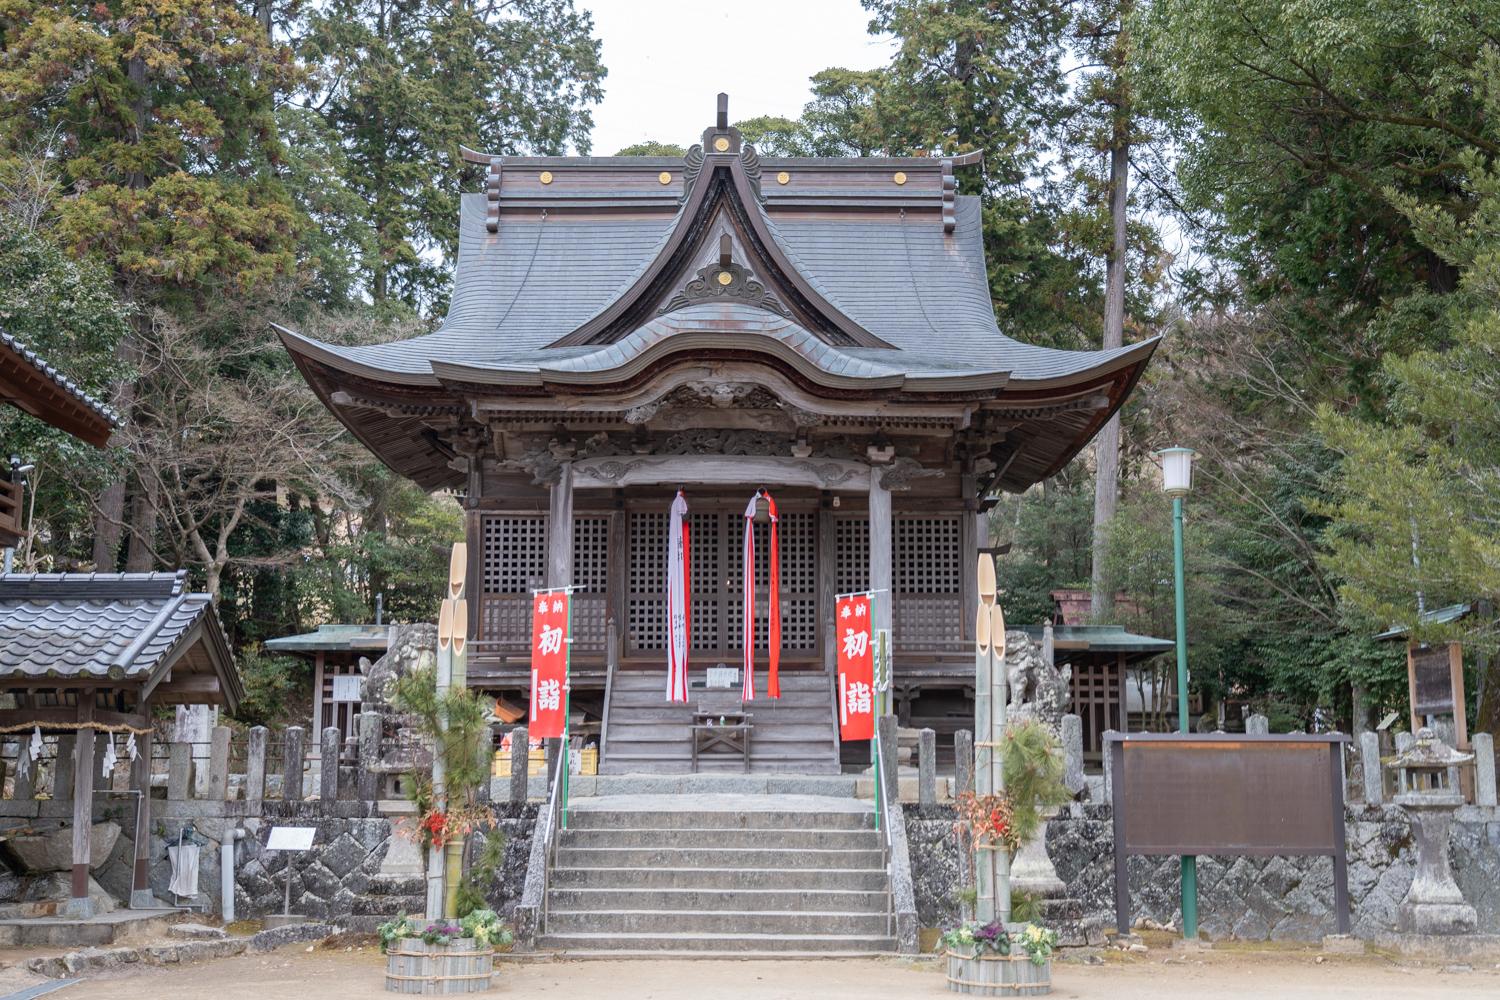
(906, 281)
(59, 379)
(119, 627)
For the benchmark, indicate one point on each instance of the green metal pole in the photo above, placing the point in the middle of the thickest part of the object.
(1189, 862)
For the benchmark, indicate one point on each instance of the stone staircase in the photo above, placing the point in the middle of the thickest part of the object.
(795, 733)
(698, 876)
(386, 897)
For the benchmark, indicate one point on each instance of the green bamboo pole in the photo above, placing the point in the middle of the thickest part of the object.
(997, 761)
(984, 669)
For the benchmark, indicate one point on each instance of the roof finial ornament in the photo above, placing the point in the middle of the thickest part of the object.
(723, 120)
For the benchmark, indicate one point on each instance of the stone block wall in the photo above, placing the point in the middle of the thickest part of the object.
(347, 853)
(1281, 898)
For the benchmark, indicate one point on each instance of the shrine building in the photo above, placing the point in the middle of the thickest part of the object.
(818, 328)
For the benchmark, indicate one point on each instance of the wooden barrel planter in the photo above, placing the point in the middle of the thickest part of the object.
(414, 966)
(1013, 975)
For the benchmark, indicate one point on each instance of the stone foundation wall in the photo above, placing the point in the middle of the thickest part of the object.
(347, 853)
(1283, 898)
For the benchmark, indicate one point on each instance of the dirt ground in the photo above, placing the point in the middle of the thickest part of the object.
(294, 974)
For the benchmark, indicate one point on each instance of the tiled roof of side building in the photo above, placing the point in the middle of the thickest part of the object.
(104, 626)
(58, 379)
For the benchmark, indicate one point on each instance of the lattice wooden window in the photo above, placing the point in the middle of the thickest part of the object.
(514, 549)
(925, 555)
(515, 553)
(706, 576)
(591, 575)
(851, 544)
(797, 535)
(646, 582)
(925, 576)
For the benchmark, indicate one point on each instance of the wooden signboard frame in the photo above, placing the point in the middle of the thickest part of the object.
(1227, 795)
(1453, 705)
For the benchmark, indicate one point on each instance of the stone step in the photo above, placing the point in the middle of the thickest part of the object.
(642, 708)
(396, 885)
(387, 906)
(585, 818)
(630, 731)
(638, 783)
(655, 680)
(714, 857)
(726, 879)
(738, 944)
(756, 900)
(723, 838)
(666, 765)
(695, 922)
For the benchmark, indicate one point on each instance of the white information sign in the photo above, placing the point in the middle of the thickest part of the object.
(346, 687)
(291, 838)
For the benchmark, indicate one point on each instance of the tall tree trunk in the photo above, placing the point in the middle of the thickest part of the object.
(1107, 445)
(109, 518)
(140, 554)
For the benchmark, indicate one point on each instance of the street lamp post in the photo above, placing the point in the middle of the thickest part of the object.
(1176, 482)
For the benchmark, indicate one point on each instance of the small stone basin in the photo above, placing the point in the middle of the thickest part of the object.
(53, 851)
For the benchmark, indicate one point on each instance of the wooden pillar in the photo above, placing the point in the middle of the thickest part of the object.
(317, 708)
(79, 905)
(616, 568)
(883, 607)
(968, 555)
(474, 587)
(1123, 723)
(140, 778)
(560, 529)
(828, 574)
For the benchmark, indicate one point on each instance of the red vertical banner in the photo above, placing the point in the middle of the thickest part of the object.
(856, 663)
(549, 664)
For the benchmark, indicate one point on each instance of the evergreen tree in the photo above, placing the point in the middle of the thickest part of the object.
(401, 84)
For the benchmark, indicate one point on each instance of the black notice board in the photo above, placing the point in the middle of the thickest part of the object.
(1432, 680)
(1228, 795)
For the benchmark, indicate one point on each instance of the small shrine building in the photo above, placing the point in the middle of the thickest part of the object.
(624, 327)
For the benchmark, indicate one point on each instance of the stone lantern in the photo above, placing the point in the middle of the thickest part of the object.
(1434, 904)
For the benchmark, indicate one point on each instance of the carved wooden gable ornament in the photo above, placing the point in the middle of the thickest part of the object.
(722, 249)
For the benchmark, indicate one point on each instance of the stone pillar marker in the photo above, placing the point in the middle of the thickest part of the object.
(1072, 741)
(255, 764)
(180, 771)
(889, 770)
(1109, 785)
(520, 764)
(1374, 774)
(963, 762)
(218, 764)
(1257, 725)
(368, 724)
(484, 791)
(926, 768)
(963, 781)
(292, 759)
(329, 766)
(1484, 769)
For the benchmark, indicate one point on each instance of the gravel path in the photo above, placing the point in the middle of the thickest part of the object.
(294, 974)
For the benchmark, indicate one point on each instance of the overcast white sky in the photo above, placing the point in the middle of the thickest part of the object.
(668, 58)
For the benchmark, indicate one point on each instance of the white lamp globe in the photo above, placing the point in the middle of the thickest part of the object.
(1177, 471)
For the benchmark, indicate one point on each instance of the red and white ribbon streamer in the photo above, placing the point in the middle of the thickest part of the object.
(773, 683)
(679, 596)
